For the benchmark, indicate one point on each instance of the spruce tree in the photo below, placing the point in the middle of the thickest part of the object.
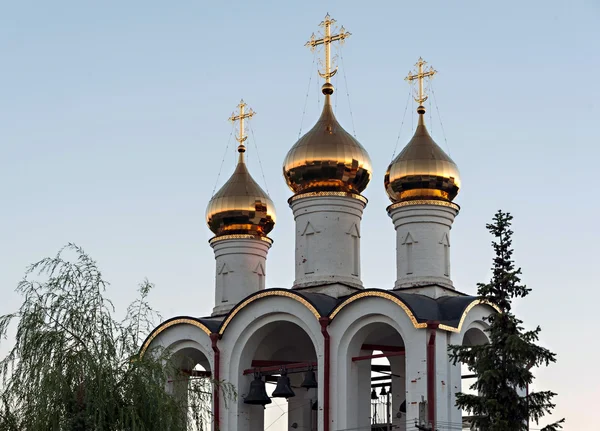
(503, 365)
(75, 367)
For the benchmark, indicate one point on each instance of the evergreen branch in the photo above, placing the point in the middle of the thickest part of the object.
(504, 363)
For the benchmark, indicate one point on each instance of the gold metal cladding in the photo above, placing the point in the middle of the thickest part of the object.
(409, 313)
(420, 75)
(241, 116)
(422, 170)
(325, 194)
(423, 202)
(169, 324)
(240, 236)
(327, 158)
(464, 315)
(326, 41)
(265, 294)
(379, 294)
(241, 206)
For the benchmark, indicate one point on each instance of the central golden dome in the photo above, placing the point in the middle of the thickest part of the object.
(422, 170)
(240, 206)
(327, 158)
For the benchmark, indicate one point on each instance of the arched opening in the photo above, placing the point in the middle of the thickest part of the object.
(474, 336)
(376, 378)
(381, 391)
(279, 347)
(192, 383)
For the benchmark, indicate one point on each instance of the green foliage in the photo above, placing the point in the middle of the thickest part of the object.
(504, 364)
(74, 367)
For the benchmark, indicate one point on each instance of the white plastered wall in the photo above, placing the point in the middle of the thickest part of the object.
(423, 244)
(245, 334)
(327, 240)
(351, 380)
(241, 265)
(187, 341)
(447, 411)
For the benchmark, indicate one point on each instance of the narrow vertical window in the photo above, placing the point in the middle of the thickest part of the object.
(222, 274)
(224, 289)
(446, 260)
(446, 244)
(260, 276)
(408, 243)
(409, 258)
(308, 259)
(355, 248)
(356, 253)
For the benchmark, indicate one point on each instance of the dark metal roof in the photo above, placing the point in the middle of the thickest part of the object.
(210, 323)
(423, 307)
(323, 303)
(446, 310)
(452, 308)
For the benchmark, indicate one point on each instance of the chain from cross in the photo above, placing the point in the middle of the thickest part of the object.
(241, 116)
(420, 76)
(326, 40)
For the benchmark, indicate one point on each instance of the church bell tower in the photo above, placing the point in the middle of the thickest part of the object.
(327, 169)
(422, 182)
(240, 215)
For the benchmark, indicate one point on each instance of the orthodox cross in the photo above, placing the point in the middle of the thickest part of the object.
(241, 116)
(326, 40)
(420, 76)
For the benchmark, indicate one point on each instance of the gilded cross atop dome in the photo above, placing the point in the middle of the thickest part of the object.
(422, 171)
(241, 116)
(326, 41)
(420, 76)
(241, 206)
(327, 158)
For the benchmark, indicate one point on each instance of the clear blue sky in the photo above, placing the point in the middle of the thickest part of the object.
(113, 125)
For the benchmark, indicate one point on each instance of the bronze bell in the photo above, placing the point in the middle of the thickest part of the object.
(283, 388)
(257, 395)
(374, 395)
(309, 380)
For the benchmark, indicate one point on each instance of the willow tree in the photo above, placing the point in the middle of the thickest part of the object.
(74, 366)
(503, 366)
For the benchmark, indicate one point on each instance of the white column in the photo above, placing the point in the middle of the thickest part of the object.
(241, 262)
(327, 238)
(423, 242)
(363, 410)
(398, 366)
(445, 378)
(300, 406)
(416, 376)
(453, 380)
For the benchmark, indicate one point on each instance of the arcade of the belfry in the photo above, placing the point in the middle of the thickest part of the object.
(319, 343)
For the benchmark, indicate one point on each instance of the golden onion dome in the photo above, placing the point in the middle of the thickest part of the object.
(327, 158)
(422, 170)
(241, 206)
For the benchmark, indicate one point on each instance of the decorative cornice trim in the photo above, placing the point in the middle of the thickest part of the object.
(328, 194)
(379, 294)
(287, 294)
(464, 315)
(423, 202)
(169, 323)
(240, 236)
(406, 309)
